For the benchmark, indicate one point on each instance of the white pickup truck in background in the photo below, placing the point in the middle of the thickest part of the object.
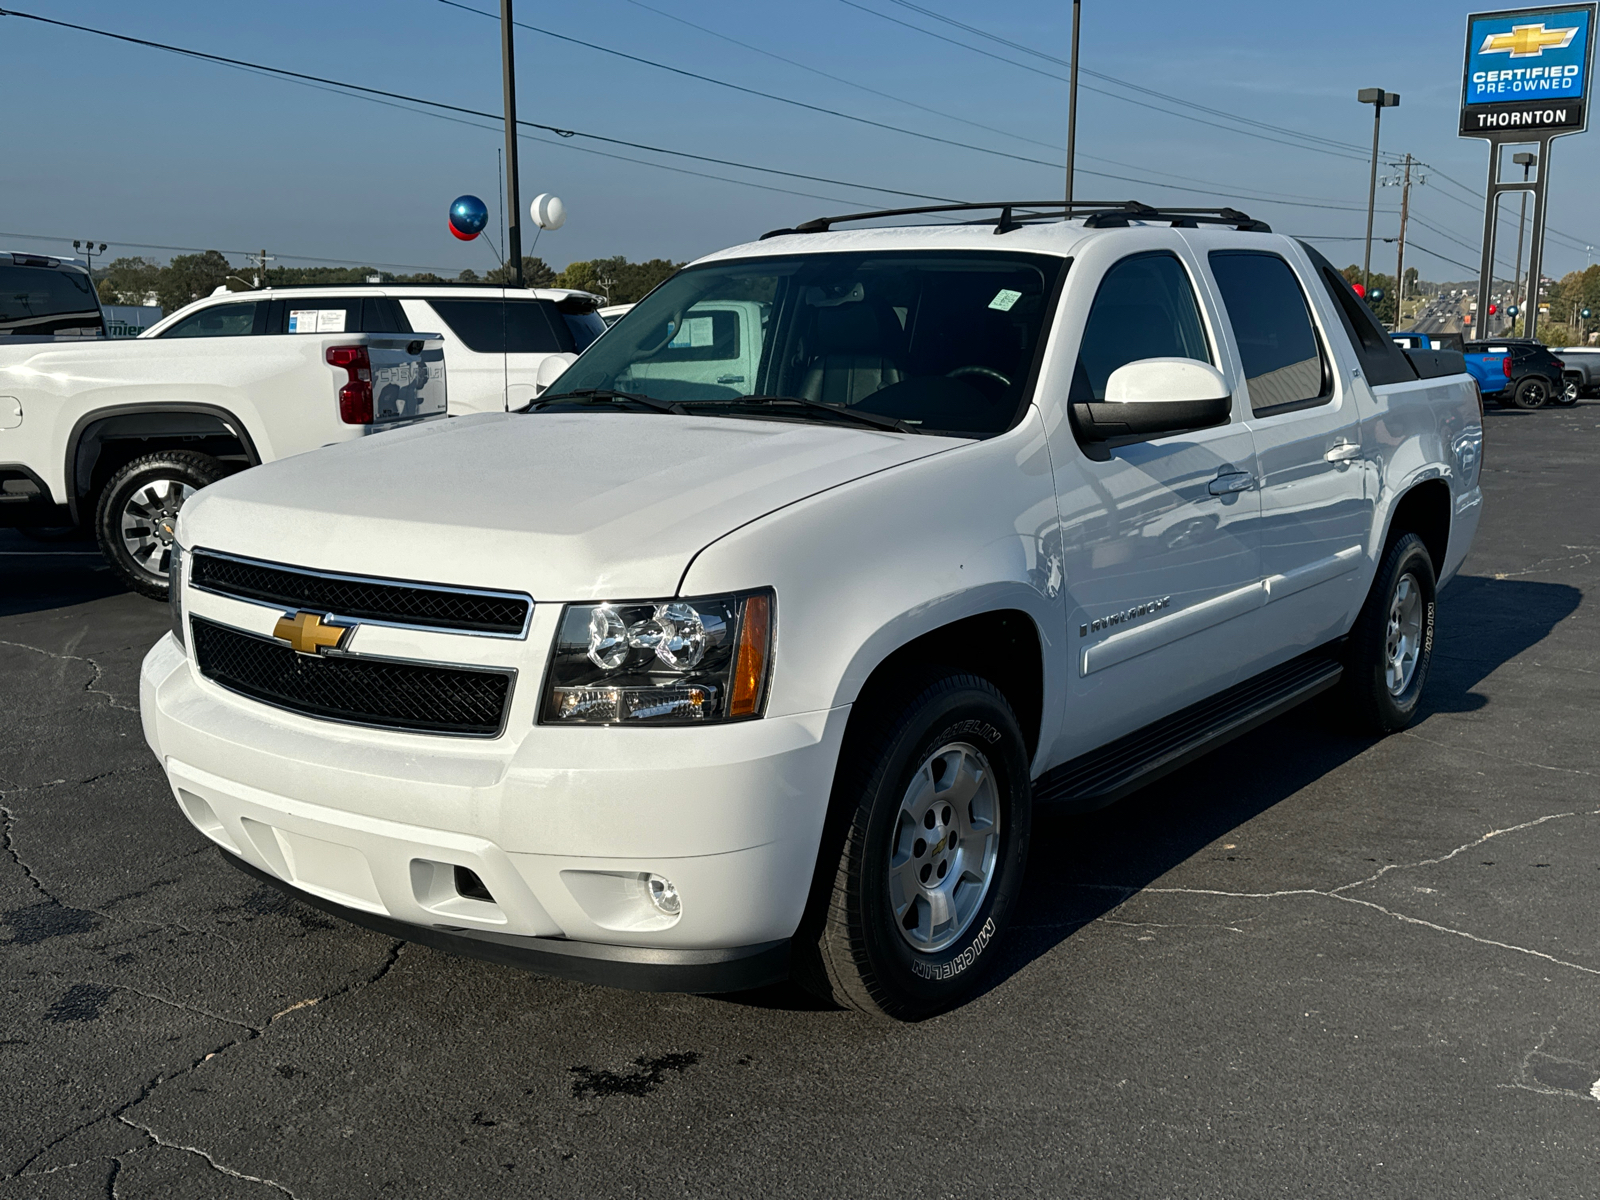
(117, 434)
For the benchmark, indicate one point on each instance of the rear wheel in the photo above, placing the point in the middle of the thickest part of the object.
(138, 512)
(1391, 646)
(1570, 390)
(934, 803)
(1532, 392)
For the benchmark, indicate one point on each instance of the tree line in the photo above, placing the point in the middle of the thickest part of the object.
(189, 277)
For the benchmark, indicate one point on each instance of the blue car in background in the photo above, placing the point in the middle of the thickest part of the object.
(1516, 372)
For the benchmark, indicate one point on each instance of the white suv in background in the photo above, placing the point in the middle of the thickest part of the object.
(496, 339)
(747, 650)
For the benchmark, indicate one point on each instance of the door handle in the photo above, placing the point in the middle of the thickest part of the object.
(1344, 452)
(1226, 485)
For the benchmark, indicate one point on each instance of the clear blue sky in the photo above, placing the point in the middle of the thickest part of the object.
(131, 145)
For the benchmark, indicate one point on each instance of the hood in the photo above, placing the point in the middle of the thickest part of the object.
(565, 506)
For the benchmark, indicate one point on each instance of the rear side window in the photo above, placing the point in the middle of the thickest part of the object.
(336, 314)
(583, 328)
(1277, 345)
(1144, 308)
(47, 301)
(501, 326)
(219, 320)
(1381, 360)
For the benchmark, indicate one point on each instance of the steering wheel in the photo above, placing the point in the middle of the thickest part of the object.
(987, 372)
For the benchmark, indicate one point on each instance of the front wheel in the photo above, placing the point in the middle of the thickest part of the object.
(1570, 390)
(138, 512)
(935, 807)
(1391, 647)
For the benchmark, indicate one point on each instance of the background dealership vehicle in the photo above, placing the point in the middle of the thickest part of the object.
(117, 434)
(1581, 370)
(689, 684)
(43, 297)
(1519, 373)
(496, 339)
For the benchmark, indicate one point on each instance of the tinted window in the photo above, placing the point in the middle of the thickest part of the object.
(500, 326)
(1380, 358)
(47, 301)
(220, 320)
(1144, 308)
(1272, 326)
(584, 328)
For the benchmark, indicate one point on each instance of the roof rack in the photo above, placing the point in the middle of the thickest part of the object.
(1096, 214)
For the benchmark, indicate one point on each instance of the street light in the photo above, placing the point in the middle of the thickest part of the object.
(1380, 100)
(1526, 162)
(89, 251)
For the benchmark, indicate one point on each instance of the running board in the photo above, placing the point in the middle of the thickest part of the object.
(1104, 776)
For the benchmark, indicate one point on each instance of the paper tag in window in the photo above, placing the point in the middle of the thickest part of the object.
(316, 320)
(1004, 299)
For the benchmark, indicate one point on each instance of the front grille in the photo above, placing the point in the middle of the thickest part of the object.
(382, 692)
(429, 606)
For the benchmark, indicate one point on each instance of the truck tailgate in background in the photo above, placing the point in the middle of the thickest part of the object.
(408, 376)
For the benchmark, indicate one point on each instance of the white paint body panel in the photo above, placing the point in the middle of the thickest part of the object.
(869, 539)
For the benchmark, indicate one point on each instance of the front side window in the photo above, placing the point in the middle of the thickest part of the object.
(47, 301)
(219, 320)
(938, 341)
(1144, 308)
(1278, 348)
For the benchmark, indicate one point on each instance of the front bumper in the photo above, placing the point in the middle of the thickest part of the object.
(562, 826)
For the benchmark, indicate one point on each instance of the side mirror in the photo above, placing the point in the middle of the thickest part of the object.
(1152, 398)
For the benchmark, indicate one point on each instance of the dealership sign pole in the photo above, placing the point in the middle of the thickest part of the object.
(1526, 81)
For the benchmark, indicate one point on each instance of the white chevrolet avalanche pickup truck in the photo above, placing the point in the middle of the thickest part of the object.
(117, 435)
(748, 649)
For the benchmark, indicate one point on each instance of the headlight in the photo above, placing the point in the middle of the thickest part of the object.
(661, 662)
(175, 591)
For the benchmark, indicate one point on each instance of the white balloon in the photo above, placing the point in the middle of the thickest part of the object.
(547, 211)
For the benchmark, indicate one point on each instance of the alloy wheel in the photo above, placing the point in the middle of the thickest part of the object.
(944, 849)
(1403, 643)
(147, 522)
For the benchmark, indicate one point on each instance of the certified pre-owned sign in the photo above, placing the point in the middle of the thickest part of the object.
(1527, 70)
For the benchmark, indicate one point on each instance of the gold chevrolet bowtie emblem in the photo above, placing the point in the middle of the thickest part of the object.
(1528, 41)
(308, 635)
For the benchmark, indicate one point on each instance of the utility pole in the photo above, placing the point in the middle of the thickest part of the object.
(1400, 263)
(1072, 103)
(1526, 162)
(262, 260)
(1380, 100)
(513, 204)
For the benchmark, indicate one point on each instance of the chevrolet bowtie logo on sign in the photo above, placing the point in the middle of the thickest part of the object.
(1527, 71)
(1528, 41)
(306, 632)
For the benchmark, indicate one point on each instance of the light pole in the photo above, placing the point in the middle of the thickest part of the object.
(1526, 162)
(513, 204)
(1380, 100)
(1072, 103)
(89, 251)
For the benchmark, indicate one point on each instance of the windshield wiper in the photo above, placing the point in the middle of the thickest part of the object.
(605, 396)
(893, 424)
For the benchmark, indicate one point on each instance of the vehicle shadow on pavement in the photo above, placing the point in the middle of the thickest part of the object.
(1083, 866)
(36, 576)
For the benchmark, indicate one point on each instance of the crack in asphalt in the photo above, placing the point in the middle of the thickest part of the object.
(1520, 762)
(252, 1033)
(111, 699)
(124, 987)
(215, 1165)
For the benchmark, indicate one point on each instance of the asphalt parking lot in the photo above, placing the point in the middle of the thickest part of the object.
(1307, 965)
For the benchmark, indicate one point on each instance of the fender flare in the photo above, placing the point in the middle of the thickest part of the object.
(78, 466)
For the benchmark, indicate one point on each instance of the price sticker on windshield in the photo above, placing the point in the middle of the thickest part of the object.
(1004, 299)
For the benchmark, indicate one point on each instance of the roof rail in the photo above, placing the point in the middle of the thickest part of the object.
(1096, 214)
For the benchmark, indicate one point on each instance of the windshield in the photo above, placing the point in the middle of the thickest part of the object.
(48, 301)
(945, 342)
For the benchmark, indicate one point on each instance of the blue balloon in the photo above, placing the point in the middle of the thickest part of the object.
(468, 216)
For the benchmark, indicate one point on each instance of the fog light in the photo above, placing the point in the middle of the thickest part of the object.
(664, 896)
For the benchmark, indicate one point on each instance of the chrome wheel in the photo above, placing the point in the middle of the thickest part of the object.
(944, 848)
(1569, 392)
(148, 520)
(1403, 642)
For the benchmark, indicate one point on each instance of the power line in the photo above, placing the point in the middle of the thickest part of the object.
(1061, 62)
(472, 112)
(342, 262)
(1099, 91)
